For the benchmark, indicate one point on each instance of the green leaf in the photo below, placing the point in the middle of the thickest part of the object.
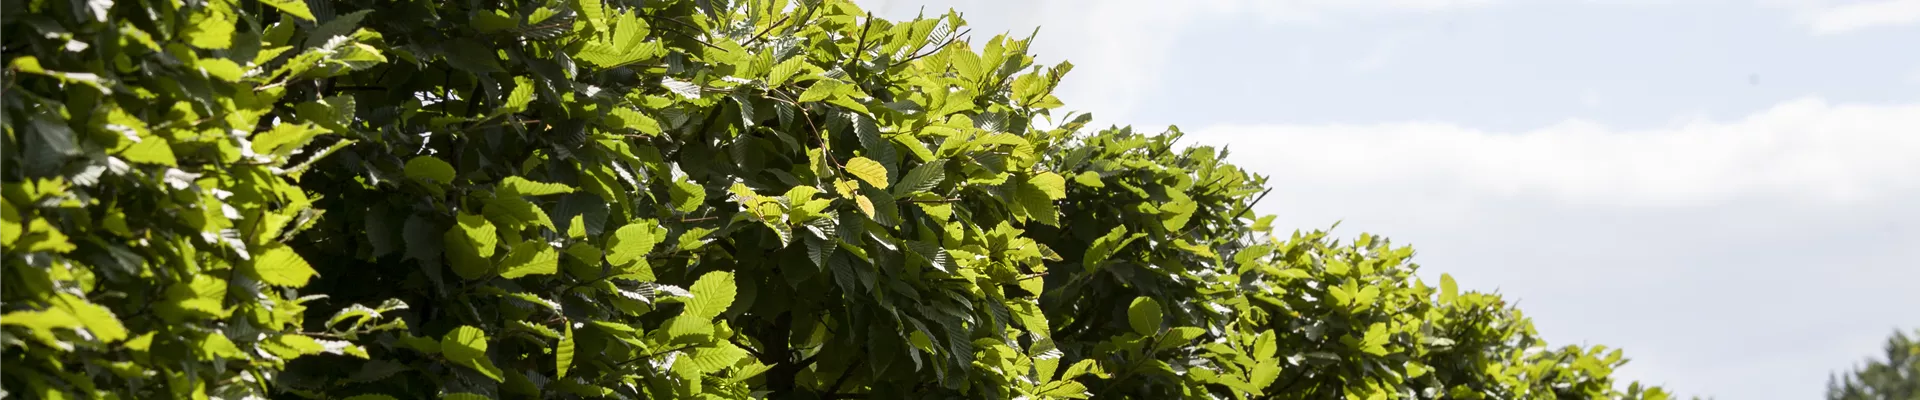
(712, 294)
(467, 345)
(283, 139)
(517, 186)
(289, 346)
(635, 120)
(1089, 179)
(1179, 337)
(464, 396)
(1144, 315)
(717, 357)
(521, 95)
(428, 168)
(1106, 246)
(278, 265)
(222, 69)
(1050, 183)
(211, 28)
(472, 56)
(98, 320)
(785, 70)
(687, 196)
(150, 150)
(10, 224)
(1448, 290)
(43, 324)
(632, 242)
(531, 257)
(295, 8)
(1266, 372)
(478, 232)
(1037, 203)
(868, 170)
(819, 91)
(922, 178)
(563, 355)
(1415, 369)
(1337, 267)
(1375, 340)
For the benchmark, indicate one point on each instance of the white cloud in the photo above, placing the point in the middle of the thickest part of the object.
(1673, 242)
(1849, 17)
(1807, 150)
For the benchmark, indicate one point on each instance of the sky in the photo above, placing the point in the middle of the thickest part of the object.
(1724, 188)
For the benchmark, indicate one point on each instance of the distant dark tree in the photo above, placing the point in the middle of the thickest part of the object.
(1895, 377)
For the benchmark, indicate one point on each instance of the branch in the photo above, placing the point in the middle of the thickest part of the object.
(846, 374)
(862, 46)
(936, 49)
(690, 37)
(756, 37)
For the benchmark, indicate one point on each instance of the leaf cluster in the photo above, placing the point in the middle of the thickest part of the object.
(377, 199)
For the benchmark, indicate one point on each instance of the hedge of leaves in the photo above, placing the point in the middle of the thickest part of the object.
(381, 199)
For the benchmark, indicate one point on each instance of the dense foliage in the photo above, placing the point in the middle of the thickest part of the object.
(1896, 377)
(377, 199)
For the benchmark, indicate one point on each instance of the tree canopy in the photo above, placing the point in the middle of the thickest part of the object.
(380, 199)
(1896, 377)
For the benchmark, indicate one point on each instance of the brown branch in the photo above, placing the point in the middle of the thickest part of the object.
(862, 46)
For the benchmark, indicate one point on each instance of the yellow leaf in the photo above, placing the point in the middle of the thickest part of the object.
(868, 170)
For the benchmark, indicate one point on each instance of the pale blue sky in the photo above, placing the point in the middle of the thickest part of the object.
(1724, 188)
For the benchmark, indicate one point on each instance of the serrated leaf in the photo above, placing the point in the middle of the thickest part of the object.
(478, 232)
(467, 345)
(682, 88)
(1036, 203)
(1067, 389)
(563, 354)
(1052, 184)
(1266, 372)
(635, 120)
(712, 294)
(530, 257)
(517, 186)
(632, 242)
(717, 357)
(920, 179)
(276, 264)
(868, 170)
(819, 91)
(785, 70)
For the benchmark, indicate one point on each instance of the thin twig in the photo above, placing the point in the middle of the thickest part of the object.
(936, 49)
(862, 46)
(756, 37)
(691, 37)
(846, 374)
